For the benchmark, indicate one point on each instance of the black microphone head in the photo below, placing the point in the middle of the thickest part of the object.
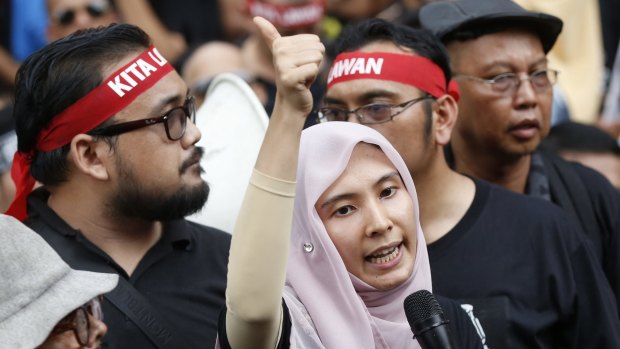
(427, 322)
(420, 306)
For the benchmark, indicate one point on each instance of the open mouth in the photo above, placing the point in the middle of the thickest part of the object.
(385, 255)
(525, 129)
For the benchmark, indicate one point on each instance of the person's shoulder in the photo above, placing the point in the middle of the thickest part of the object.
(596, 188)
(591, 178)
(209, 247)
(535, 219)
(210, 237)
(207, 232)
(518, 203)
(450, 306)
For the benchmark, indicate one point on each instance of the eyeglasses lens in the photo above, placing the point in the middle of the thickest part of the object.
(540, 80)
(176, 122)
(543, 79)
(177, 119)
(375, 113)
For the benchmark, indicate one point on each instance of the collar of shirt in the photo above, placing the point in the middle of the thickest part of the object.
(177, 234)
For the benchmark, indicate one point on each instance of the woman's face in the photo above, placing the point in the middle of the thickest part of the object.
(369, 216)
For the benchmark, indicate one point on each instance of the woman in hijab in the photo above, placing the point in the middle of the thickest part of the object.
(355, 251)
(334, 271)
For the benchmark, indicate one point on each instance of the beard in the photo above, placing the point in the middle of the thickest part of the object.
(132, 199)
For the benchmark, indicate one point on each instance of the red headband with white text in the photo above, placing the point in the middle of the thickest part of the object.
(408, 69)
(113, 95)
(288, 16)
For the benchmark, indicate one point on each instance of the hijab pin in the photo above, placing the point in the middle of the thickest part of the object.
(308, 247)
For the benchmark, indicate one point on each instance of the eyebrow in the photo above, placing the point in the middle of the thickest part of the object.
(363, 98)
(338, 197)
(158, 108)
(509, 65)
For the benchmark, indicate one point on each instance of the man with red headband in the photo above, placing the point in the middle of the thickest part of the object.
(529, 274)
(105, 124)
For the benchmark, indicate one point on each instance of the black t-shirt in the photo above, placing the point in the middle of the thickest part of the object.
(603, 201)
(529, 274)
(460, 324)
(183, 276)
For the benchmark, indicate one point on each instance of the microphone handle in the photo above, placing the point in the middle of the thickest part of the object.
(436, 338)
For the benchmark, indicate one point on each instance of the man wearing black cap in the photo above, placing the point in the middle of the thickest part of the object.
(498, 57)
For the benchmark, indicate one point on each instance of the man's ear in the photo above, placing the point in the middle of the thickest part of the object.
(89, 156)
(446, 112)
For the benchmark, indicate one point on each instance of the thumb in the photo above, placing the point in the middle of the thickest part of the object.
(268, 31)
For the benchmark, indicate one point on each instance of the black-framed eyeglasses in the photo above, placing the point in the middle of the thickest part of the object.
(175, 122)
(369, 114)
(508, 83)
(77, 320)
(65, 17)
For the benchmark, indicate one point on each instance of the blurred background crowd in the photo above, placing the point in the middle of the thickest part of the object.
(205, 37)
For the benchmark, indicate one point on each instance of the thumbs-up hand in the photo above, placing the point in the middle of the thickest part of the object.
(296, 60)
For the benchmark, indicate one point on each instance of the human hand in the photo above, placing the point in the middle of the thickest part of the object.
(296, 61)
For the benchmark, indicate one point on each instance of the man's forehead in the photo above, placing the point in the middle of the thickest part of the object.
(360, 90)
(170, 90)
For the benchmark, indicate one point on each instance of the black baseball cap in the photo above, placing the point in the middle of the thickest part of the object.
(462, 19)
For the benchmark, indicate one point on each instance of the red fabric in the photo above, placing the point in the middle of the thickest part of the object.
(113, 95)
(408, 69)
(288, 16)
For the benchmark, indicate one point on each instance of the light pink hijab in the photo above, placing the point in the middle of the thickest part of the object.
(329, 307)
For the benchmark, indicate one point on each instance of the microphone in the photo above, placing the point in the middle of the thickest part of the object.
(427, 322)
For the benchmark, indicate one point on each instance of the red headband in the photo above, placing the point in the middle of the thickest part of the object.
(113, 95)
(408, 69)
(288, 16)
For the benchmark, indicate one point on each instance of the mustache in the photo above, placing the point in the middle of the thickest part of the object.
(194, 158)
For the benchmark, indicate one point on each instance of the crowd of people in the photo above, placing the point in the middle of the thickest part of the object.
(411, 145)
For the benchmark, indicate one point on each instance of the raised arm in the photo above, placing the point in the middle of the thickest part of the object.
(8, 67)
(260, 242)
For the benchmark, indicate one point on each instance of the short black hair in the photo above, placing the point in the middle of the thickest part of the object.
(59, 74)
(421, 41)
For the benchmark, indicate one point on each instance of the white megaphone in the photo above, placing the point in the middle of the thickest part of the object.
(233, 123)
